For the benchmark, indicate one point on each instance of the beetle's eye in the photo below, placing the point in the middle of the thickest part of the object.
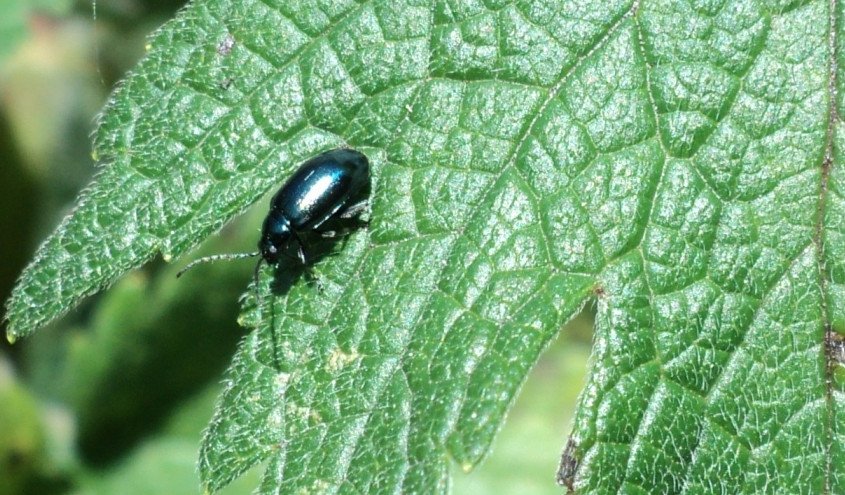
(272, 249)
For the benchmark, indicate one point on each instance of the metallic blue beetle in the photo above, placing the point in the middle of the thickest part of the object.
(327, 186)
(332, 185)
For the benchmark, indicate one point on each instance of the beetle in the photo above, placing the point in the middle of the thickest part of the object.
(332, 185)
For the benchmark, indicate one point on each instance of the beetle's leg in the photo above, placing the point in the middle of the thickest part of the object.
(300, 248)
(301, 253)
(355, 210)
(308, 270)
(332, 234)
(359, 212)
(290, 257)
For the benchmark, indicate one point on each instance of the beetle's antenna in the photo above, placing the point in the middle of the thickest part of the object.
(259, 300)
(255, 273)
(220, 257)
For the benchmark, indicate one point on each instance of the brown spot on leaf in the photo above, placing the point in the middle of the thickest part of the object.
(568, 466)
(225, 47)
(834, 344)
(226, 83)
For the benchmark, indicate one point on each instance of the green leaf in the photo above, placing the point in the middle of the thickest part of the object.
(163, 337)
(528, 446)
(676, 163)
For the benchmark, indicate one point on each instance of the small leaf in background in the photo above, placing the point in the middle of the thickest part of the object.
(675, 163)
(16, 15)
(22, 446)
(165, 463)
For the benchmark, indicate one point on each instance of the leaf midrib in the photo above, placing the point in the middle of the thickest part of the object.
(818, 239)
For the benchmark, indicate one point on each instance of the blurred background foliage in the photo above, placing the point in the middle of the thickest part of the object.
(114, 397)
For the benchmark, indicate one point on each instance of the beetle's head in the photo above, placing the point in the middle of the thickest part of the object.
(275, 235)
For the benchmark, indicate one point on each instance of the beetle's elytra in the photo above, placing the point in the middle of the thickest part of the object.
(334, 184)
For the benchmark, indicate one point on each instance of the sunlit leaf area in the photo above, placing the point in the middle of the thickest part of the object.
(596, 247)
